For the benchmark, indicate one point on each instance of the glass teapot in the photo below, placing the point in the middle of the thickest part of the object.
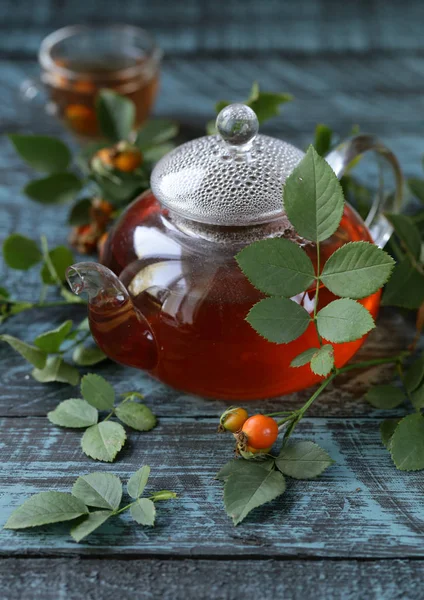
(169, 297)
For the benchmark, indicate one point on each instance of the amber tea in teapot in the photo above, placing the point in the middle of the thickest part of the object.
(170, 297)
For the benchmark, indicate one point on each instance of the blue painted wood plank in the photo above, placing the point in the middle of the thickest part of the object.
(361, 507)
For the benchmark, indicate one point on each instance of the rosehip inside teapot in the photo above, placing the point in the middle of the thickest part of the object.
(170, 298)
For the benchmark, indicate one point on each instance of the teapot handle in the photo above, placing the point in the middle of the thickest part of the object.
(341, 158)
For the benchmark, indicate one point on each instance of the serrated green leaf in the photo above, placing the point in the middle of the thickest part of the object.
(50, 341)
(417, 187)
(87, 356)
(407, 444)
(45, 508)
(73, 413)
(56, 369)
(135, 415)
(387, 429)
(163, 495)
(323, 137)
(323, 361)
(313, 198)
(103, 441)
(97, 391)
(405, 287)
(58, 188)
(277, 267)
(143, 511)
(303, 460)
(116, 115)
(61, 258)
(102, 490)
(238, 465)
(33, 355)
(137, 482)
(20, 252)
(414, 376)
(417, 398)
(357, 270)
(385, 396)
(304, 358)
(267, 104)
(344, 321)
(156, 132)
(92, 522)
(279, 320)
(407, 232)
(41, 152)
(80, 212)
(248, 489)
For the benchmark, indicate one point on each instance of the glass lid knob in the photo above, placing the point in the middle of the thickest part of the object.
(238, 125)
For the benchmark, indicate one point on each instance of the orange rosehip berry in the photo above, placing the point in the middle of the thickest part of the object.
(128, 160)
(233, 419)
(260, 432)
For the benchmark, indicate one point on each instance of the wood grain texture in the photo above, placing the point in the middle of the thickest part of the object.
(360, 507)
(74, 578)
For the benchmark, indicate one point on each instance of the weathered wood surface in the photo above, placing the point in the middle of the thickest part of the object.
(73, 579)
(361, 507)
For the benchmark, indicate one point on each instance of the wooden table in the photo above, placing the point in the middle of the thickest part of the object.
(357, 531)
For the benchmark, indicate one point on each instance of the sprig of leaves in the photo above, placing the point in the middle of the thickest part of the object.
(96, 490)
(102, 440)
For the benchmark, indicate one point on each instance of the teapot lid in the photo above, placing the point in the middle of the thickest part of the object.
(234, 178)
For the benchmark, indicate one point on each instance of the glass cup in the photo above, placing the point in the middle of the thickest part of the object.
(79, 60)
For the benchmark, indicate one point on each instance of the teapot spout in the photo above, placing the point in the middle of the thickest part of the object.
(118, 327)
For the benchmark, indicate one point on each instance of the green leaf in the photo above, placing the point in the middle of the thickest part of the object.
(239, 465)
(73, 413)
(323, 361)
(41, 152)
(415, 374)
(277, 267)
(267, 104)
(155, 153)
(357, 270)
(116, 115)
(102, 490)
(344, 321)
(385, 396)
(86, 356)
(103, 441)
(163, 495)
(92, 522)
(59, 188)
(143, 511)
(417, 188)
(56, 369)
(405, 287)
(135, 415)
(304, 358)
(137, 482)
(279, 320)
(97, 391)
(45, 508)
(61, 258)
(248, 489)
(313, 198)
(4, 294)
(303, 460)
(322, 141)
(20, 252)
(407, 232)
(155, 132)
(407, 445)
(80, 212)
(50, 341)
(387, 429)
(417, 398)
(33, 355)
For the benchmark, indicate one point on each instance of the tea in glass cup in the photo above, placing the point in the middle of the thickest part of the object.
(77, 61)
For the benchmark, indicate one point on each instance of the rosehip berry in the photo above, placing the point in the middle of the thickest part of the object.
(233, 419)
(128, 160)
(259, 432)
